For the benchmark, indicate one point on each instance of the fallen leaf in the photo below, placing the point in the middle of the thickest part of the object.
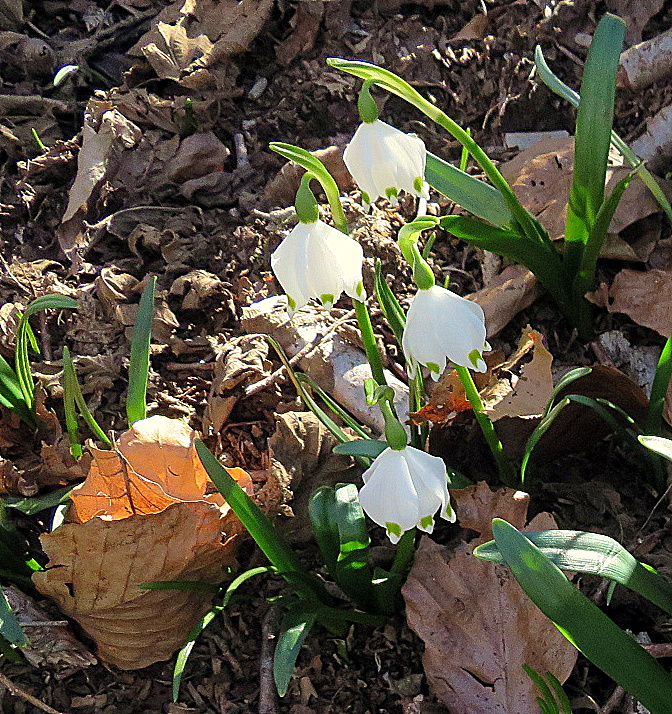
(476, 613)
(541, 177)
(176, 52)
(306, 23)
(241, 361)
(645, 297)
(144, 514)
(513, 290)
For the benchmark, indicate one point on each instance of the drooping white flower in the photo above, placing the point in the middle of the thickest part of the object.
(440, 326)
(318, 261)
(405, 488)
(384, 161)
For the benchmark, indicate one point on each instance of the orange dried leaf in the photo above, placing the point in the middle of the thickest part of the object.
(144, 514)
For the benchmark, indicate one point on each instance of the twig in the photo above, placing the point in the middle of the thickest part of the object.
(18, 692)
(268, 703)
(303, 352)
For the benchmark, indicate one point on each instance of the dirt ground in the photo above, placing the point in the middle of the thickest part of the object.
(187, 190)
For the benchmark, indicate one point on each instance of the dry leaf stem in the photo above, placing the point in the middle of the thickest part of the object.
(268, 703)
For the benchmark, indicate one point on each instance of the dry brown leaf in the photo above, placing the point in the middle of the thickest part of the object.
(529, 393)
(143, 514)
(242, 360)
(513, 290)
(541, 177)
(645, 297)
(306, 25)
(176, 52)
(478, 626)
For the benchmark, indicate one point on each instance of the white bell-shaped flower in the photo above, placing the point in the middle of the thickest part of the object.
(441, 326)
(405, 488)
(384, 161)
(317, 261)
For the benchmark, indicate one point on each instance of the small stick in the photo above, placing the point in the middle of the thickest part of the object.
(268, 703)
(18, 692)
(303, 352)
(614, 700)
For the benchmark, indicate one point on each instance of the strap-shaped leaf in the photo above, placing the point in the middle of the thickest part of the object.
(472, 194)
(10, 627)
(138, 369)
(593, 554)
(295, 627)
(594, 120)
(583, 623)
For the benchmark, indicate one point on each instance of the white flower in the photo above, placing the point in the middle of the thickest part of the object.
(384, 161)
(318, 261)
(441, 325)
(405, 488)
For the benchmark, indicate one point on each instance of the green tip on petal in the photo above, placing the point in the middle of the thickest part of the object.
(306, 203)
(327, 300)
(391, 193)
(418, 184)
(359, 289)
(426, 522)
(475, 357)
(366, 199)
(433, 367)
(291, 304)
(393, 528)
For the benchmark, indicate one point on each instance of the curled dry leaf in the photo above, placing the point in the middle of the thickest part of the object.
(144, 514)
(646, 298)
(478, 626)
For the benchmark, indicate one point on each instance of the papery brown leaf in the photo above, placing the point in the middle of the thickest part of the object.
(645, 297)
(478, 626)
(144, 514)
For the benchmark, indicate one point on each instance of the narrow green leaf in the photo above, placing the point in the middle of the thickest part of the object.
(594, 120)
(197, 629)
(471, 193)
(295, 627)
(265, 534)
(10, 627)
(392, 310)
(661, 381)
(138, 370)
(535, 437)
(555, 84)
(565, 381)
(583, 623)
(70, 385)
(74, 392)
(593, 554)
(546, 695)
(563, 700)
(540, 257)
(361, 447)
(11, 395)
(34, 504)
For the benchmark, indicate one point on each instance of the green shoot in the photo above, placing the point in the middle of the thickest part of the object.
(138, 370)
(553, 699)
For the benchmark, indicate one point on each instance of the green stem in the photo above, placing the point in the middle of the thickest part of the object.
(506, 470)
(404, 554)
(369, 340)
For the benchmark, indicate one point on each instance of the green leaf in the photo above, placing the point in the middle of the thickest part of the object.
(339, 526)
(389, 304)
(138, 370)
(361, 447)
(555, 84)
(471, 193)
(583, 623)
(34, 504)
(594, 120)
(11, 395)
(25, 339)
(539, 256)
(10, 627)
(266, 536)
(295, 627)
(197, 629)
(593, 554)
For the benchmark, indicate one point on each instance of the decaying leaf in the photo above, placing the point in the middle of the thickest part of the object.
(144, 514)
(478, 626)
(513, 290)
(645, 297)
(541, 177)
(176, 52)
(242, 360)
(50, 643)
